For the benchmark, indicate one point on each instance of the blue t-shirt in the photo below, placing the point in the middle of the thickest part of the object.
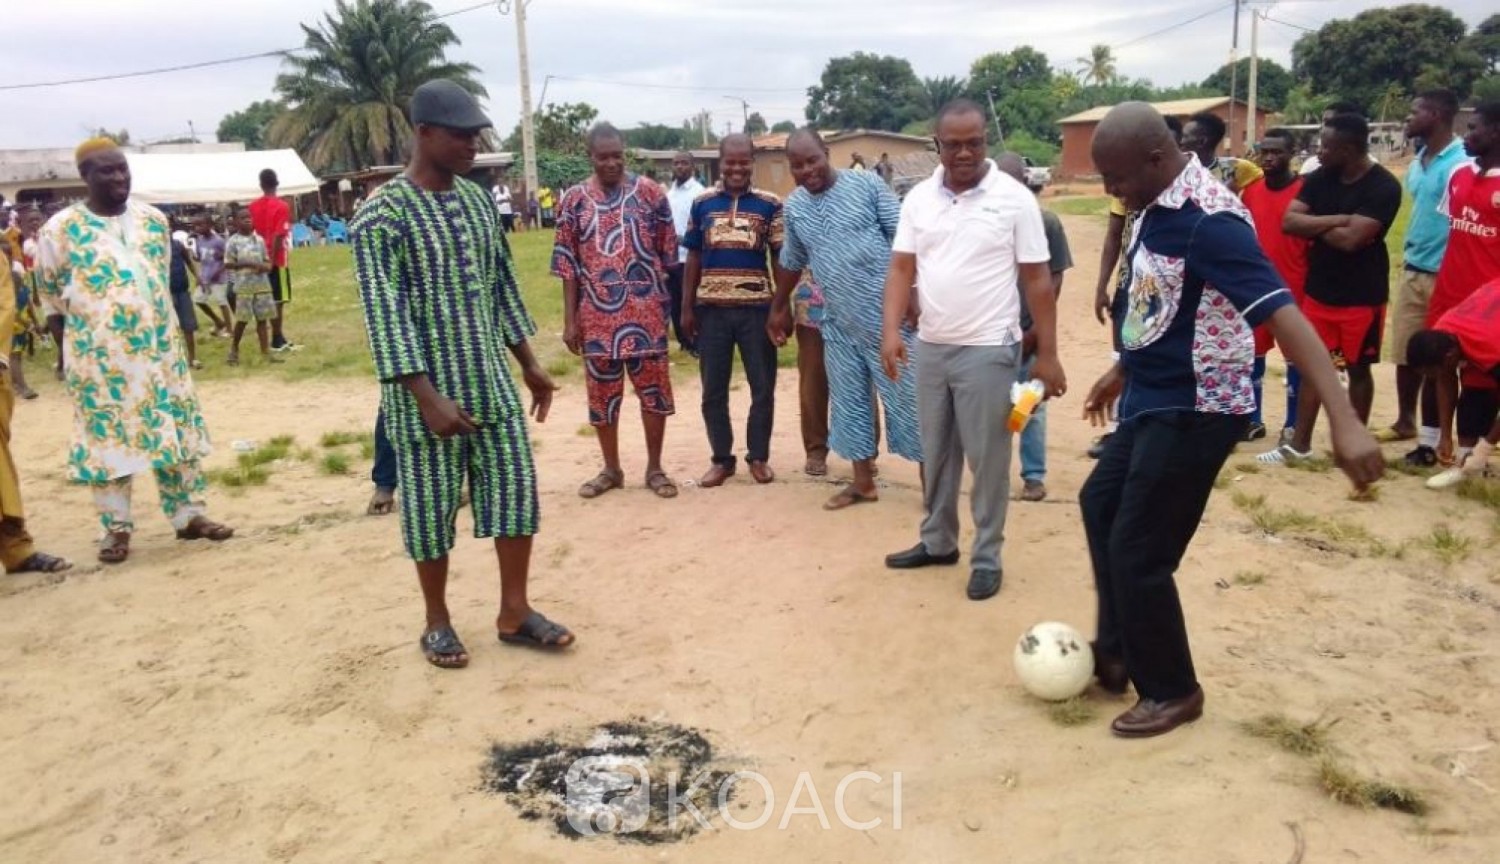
(844, 234)
(733, 236)
(1427, 232)
(1196, 285)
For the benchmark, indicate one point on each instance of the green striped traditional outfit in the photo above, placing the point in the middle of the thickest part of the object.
(441, 299)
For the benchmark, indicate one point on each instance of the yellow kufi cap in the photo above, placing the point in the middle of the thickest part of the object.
(93, 145)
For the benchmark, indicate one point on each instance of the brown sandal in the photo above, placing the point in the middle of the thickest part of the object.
(603, 482)
(115, 548)
(661, 484)
(848, 497)
(203, 528)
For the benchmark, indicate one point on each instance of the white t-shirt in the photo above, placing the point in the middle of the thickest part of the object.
(680, 197)
(502, 199)
(968, 247)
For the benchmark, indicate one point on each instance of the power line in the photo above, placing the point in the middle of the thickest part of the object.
(1180, 24)
(242, 58)
(686, 87)
(1289, 24)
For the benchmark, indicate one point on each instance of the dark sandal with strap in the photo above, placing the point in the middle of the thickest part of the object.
(203, 528)
(442, 648)
(661, 484)
(537, 631)
(115, 548)
(603, 482)
(41, 562)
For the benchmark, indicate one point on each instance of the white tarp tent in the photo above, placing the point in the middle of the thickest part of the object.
(214, 178)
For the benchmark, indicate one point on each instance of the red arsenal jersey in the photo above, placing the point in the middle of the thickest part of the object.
(1473, 256)
(1476, 323)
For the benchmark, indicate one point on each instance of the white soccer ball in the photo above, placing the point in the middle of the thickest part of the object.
(1054, 661)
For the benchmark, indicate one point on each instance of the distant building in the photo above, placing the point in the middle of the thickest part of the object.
(911, 154)
(705, 163)
(1078, 129)
(41, 175)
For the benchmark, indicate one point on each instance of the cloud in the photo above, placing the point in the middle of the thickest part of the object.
(765, 52)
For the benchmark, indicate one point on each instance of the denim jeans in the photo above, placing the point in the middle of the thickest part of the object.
(384, 472)
(1034, 436)
(722, 329)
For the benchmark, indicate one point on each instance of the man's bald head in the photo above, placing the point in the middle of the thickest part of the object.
(1135, 153)
(736, 142)
(1012, 164)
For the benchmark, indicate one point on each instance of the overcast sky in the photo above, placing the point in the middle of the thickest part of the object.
(766, 52)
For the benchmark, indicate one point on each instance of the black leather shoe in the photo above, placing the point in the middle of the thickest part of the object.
(1148, 717)
(1110, 671)
(984, 584)
(918, 556)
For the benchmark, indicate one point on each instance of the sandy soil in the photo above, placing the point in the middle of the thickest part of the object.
(264, 700)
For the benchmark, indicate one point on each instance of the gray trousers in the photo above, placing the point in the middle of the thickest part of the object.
(963, 405)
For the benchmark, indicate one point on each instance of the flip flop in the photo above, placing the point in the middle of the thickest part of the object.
(115, 548)
(848, 497)
(442, 648)
(381, 503)
(41, 562)
(537, 631)
(1389, 435)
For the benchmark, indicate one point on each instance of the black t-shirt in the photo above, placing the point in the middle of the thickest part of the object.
(179, 270)
(1361, 278)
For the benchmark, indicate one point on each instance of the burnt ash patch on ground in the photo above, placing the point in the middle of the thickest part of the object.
(634, 780)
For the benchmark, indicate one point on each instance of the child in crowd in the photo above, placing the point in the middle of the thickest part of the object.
(249, 264)
(182, 270)
(212, 295)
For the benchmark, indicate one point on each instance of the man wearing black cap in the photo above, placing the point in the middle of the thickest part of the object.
(442, 308)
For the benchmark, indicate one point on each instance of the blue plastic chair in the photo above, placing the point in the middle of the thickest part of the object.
(337, 232)
(301, 234)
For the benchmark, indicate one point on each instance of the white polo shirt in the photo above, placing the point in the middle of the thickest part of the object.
(968, 247)
(680, 197)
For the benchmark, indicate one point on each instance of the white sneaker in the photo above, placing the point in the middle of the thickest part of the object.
(1447, 478)
(1282, 455)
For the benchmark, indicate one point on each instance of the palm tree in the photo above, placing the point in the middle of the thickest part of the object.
(347, 91)
(1098, 68)
(937, 92)
(1391, 102)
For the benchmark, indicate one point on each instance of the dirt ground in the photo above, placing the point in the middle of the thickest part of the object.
(264, 700)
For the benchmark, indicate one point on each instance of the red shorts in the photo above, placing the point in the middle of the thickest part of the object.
(1352, 334)
(651, 378)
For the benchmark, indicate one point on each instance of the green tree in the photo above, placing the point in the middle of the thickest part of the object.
(1303, 105)
(1098, 68)
(655, 136)
(561, 128)
(1020, 82)
(1272, 81)
(347, 92)
(756, 124)
(865, 91)
(1361, 57)
(1485, 43)
(250, 123)
(1391, 104)
(1487, 89)
(937, 92)
(561, 170)
(784, 127)
(120, 137)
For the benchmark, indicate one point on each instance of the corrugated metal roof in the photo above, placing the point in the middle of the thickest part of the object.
(1173, 108)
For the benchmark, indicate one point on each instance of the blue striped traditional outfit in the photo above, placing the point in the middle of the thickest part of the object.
(844, 234)
(441, 299)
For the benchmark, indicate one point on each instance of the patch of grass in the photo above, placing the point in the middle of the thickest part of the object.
(1249, 577)
(1447, 544)
(279, 447)
(367, 448)
(339, 439)
(1398, 465)
(1481, 491)
(1346, 787)
(1080, 205)
(334, 463)
(239, 477)
(586, 431)
(1304, 739)
(1072, 712)
(1312, 464)
(1248, 468)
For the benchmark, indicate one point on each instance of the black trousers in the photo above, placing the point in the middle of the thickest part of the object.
(1141, 507)
(674, 310)
(384, 473)
(722, 329)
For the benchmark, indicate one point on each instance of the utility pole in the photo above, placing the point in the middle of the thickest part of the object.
(744, 105)
(703, 121)
(1250, 116)
(1000, 135)
(1234, 70)
(528, 118)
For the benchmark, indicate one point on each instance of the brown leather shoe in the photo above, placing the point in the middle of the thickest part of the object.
(716, 476)
(1110, 671)
(1148, 717)
(762, 472)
